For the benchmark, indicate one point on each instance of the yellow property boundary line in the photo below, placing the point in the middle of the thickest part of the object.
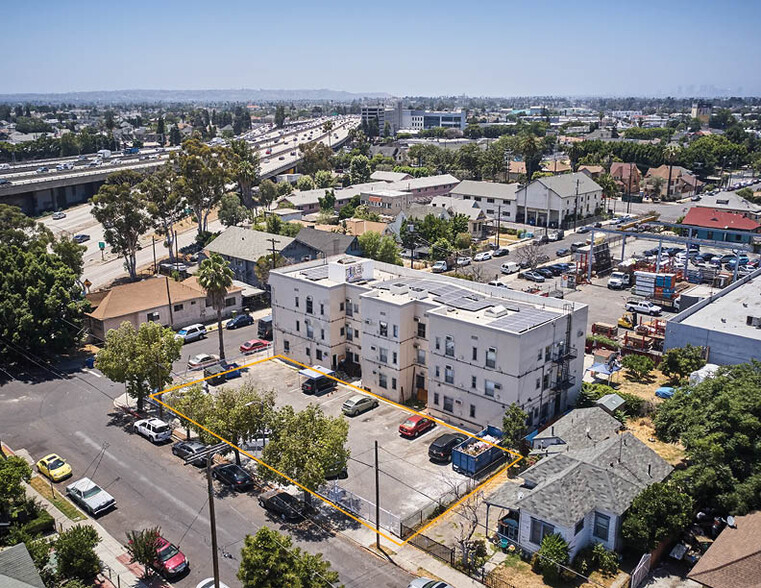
(325, 500)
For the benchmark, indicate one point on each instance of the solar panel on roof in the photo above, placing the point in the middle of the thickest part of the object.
(316, 273)
(524, 320)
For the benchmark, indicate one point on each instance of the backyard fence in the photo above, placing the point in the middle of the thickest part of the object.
(361, 507)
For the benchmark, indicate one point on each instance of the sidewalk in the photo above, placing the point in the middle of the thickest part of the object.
(117, 571)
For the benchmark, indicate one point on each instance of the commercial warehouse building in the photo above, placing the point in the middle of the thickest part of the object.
(468, 350)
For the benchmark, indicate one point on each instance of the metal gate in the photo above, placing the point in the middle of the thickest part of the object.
(641, 571)
(361, 507)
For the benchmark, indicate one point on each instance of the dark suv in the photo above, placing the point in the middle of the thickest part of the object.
(282, 504)
(441, 449)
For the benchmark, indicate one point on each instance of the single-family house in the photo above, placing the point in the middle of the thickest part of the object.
(555, 166)
(160, 299)
(329, 243)
(683, 182)
(423, 189)
(710, 223)
(477, 219)
(17, 568)
(627, 177)
(308, 201)
(730, 202)
(495, 199)
(389, 176)
(593, 171)
(554, 201)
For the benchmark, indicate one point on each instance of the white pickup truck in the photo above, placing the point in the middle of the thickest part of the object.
(643, 307)
(619, 280)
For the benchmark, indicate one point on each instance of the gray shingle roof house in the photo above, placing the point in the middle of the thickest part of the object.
(17, 569)
(581, 493)
(576, 430)
(329, 243)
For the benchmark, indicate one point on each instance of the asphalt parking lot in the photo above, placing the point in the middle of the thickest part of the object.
(408, 480)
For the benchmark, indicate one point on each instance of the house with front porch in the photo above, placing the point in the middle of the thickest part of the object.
(554, 201)
(581, 493)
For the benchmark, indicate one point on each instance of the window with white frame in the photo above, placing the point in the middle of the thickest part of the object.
(602, 526)
(539, 530)
(491, 357)
(383, 328)
(449, 346)
(382, 355)
(382, 380)
(449, 374)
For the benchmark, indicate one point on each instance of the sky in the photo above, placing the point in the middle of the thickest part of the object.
(405, 48)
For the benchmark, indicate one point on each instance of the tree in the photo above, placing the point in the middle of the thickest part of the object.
(195, 404)
(639, 366)
(323, 179)
(314, 157)
(75, 553)
(680, 362)
(359, 169)
(175, 138)
(243, 167)
(363, 212)
(279, 116)
(70, 253)
(552, 554)
(122, 209)
(514, 428)
(441, 249)
(659, 512)
(268, 560)
(142, 545)
(265, 264)
(388, 251)
(306, 446)
(141, 360)
(328, 202)
(215, 277)
(530, 149)
(13, 471)
(369, 243)
(267, 193)
(164, 204)
(200, 178)
(529, 255)
(306, 183)
(462, 241)
(161, 130)
(671, 154)
(231, 211)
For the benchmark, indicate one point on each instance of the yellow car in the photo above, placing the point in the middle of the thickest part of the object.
(54, 467)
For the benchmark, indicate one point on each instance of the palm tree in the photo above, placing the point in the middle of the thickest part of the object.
(215, 276)
(670, 154)
(243, 167)
(529, 147)
(327, 126)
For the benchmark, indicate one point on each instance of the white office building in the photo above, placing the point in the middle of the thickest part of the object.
(468, 350)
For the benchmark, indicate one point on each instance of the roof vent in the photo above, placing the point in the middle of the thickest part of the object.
(496, 311)
(399, 288)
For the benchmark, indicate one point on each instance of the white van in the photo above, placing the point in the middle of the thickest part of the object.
(510, 267)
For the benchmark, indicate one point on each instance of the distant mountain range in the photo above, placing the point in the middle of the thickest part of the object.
(242, 95)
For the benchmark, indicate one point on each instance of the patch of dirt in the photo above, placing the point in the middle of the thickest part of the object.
(643, 429)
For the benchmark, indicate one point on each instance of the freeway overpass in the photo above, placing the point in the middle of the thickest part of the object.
(35, 192)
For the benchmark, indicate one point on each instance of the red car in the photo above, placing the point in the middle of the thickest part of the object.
(254, 345)
(170, 561)
(415, 425)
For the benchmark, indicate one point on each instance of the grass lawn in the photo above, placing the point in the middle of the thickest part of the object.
(42, 486)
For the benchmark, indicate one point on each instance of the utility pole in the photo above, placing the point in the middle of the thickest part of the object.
(576, 206)
(153, 244)
(273, 241)
(213, 523)
(377, 500)
(629, 199)
(169, 301)
(499, 219)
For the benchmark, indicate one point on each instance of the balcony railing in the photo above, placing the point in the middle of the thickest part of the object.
(563, 383)
(564, 354)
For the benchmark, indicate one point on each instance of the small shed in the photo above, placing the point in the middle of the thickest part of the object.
(610, 403)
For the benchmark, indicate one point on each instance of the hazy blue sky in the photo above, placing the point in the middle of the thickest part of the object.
(496, 48)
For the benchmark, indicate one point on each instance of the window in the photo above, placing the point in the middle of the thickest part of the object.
(547, 352)
(438, 374)
(449, 374)
(436, 398)
(538, 383)
(472, 411)
(473, 382)
(448, 404)
(322, 334)
(421, 330)
(539, 355)
(475, 354)
(349, 311)
(298, 326)
(322, 308)
(382, 380)
(153, 316)
(349, 333)
(393, 383)
(545, 381)
(438, 344)
(579, 527)
(178, 307)
(297, 301)
(343, 330)
(382, 355)
(341, 306)
(491, 357)
(394, 357)
(309, 305)
(308, 351)
(396, 331)
(383, 328)
(310, 330)
(489, 388)
(318, 353)
(449, 346)
(602, 526)
(539, 530)
(286, 345)
(356, 308)
(230, 302)
(421, 356)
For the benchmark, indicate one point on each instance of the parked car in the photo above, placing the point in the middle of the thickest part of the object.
(509, 267)
(500, 251)
(90, 497)
(415, 425)
(54, 467)
(219, 373)
(167, 268)
(233, 476)
(498, 284)
(463, 261)
(439, 267)
(563, 251)
(253, 346)
(428, 583)
(170, 561)
(242, 320)
(643, 307)
(541, 240)
(282, 504)
(202, 360)
(153, 429)
(582, 230)
(441, 449)
(532, 276)
(81, 238)
(545, 272)
(191, 333)
(187, 449)
(59, 215)
(483, 256)
(358, 404)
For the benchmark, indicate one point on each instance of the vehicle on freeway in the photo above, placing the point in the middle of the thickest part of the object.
(187, 449)
(191, 333)
(439, 267)
(53, 466)
(293, 153)
(4, 182)
(64, 166)
(5, 166)
(415, 425)
(358, 404)
(463, 261)
(563, 251)
(501, 251)
(509, 267)
(233, 476)
(282, 504)
(81, 238)
(170, 561)
(153, 429)
(42, 170)
(440, 450)
(242, 320)
(95, 163)
(202, 360)
(428, 583)
(643, 307)
(483, 256)
(90, 497)
(268, 152)
(59, 215)
(254, 345)
(532, 276)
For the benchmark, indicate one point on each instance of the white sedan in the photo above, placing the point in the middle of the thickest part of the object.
(202, 360)
(483, 256)
(463, 261)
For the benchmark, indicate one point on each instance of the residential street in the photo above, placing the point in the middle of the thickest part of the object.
(71, 415)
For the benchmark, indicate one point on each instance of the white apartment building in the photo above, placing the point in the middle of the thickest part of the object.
(495, 199)
(552, 201)
(468, 350)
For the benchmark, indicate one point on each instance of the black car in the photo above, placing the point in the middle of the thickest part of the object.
(545, 272)
(242, 320)
(441, 449)
(582, 230)
(556, 269)
(187, 449)
(499, 252)
(284, 505)
(233, 476)
(562, 251)
(649, 252)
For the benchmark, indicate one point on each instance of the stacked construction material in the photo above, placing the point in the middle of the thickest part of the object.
(655, 285)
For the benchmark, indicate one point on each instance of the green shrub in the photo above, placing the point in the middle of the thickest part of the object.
(551, 555)
(40, 525)
(600, 340)
(596, 558)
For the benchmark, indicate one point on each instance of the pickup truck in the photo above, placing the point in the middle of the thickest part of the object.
(643, 307)
(619, 280)
(439, 267)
